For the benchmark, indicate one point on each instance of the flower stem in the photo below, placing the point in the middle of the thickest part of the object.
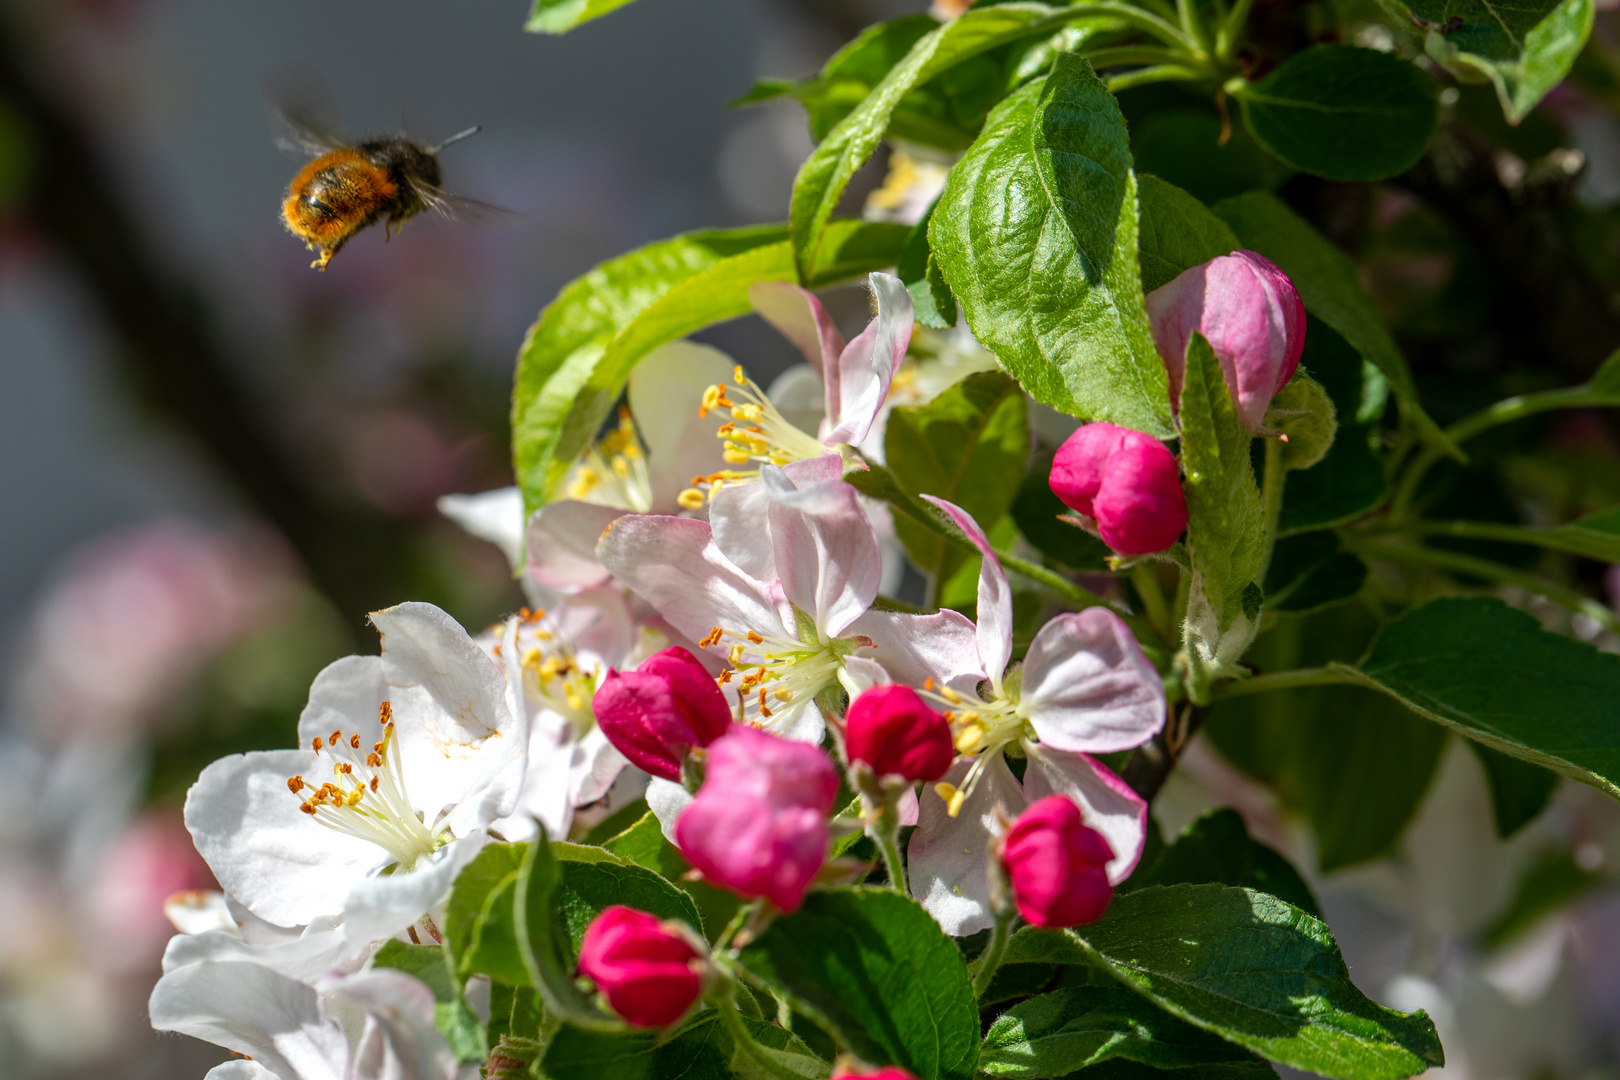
(1154, 605)
(1271, 499)
(1281, 680)
(732, 1019)
(885, 832)
(993, 952)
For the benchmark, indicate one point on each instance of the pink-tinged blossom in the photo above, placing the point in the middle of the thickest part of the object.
(1084, 688)
(661, 710)
(1125, 481)
(1057, 865)
(894, 731)
(1252, 317)
(648, 972)
(759, 823)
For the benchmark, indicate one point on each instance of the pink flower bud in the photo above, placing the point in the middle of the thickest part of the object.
(1058, 865)
(759, 823)
(887, 1072)
(1251, 315)
(1126, 481)
(893, 731)
(659, 711)
(647, 972)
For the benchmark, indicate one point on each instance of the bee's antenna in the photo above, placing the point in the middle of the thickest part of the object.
(457, 137)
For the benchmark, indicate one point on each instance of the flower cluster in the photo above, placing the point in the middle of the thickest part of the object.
(706, 628)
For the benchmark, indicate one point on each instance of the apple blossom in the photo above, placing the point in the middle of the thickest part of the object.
(1252, 317)
(648, 972)
(1084, 688)
(1127, 482)
(1057, 865)
(422, 751)
(656, 713)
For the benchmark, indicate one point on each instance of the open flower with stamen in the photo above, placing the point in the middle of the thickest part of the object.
(787, 603)
(855, 378)
(1084, 688)
(404, 760)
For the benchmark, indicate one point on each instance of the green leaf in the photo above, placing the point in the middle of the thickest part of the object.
(1036, 233)
(1225, 523)
(1326, 280)
(1192, 148)
(451, 1015)
(701, 1049)
(931, 295)
(873, 968)
(1311, 571)
(1343, 113)
(575, 360)
(1520, 791)
(1303, 411)
(825, 174)
(1548, 884)
(493, 950)
(1055, 1034)
(594, 879)
(968, 446)
(561, 16)
(1217, 849)
(1252, 969)
(1177, 232)
(645, 845)
(1597, 536)
(543, 941)
(1606, 383)
(1524, 49)
(1343, 486)
(1491, 673)
(490, 867)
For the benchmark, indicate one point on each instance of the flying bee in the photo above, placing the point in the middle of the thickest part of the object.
(347, 187)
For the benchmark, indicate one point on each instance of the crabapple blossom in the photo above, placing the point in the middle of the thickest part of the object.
(1252, 317)
(758, 825)
(1057, 865)
(1084, 688)
(656, 713)
(1125, 481)
(648, 973)
(893, 731)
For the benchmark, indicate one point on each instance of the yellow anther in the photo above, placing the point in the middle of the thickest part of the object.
(735, 655)
(354, 741)
(737, 373)
(969, 740)
(783, 695)
(690, 499)
(295, 785)
(950, 695)
(949, 793)
(621, 467)
(748, 414)
(755, 638)
(736, 457)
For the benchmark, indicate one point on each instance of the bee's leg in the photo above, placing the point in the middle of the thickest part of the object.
(326, 257)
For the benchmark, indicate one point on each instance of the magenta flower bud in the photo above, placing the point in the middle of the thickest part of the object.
(659, 711)
(759, 823)
(1253, 318)
(648, 973)
(887, 1072)
(1058, 866)
(1127, 482)
(893, 731)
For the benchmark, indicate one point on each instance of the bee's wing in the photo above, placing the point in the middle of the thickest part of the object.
(304, 118)
(456, 207)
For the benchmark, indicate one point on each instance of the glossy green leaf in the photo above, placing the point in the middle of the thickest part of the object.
(1525, 49)
(1225, 523)
(931, 295)
(1343, 486)
(1311, 571)
(645, 845)
(561, 16)
(1192, 148)
(1343, 113)
(825, 174)
(1217, 849)
(575, 361)
(1057, 1033)
(1250, 968)
(1303, 412)
(874, 969)
(1491, 673)
(542, 941)
(967, 446)
(493, 950)
(1036, 232)
(594, 878)
(1520, 791)
(1327, 283)
(1597, 536)
(1176, 233)
(496, 864)
(701, 1049)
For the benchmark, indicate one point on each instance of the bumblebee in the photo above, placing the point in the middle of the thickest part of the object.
(349, 187)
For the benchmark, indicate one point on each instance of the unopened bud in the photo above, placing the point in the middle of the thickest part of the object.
(847, 1071)
(656, 713)
(891, 729)
(649, 973)
(1057, 865)
(1252, 317)
(1127, 482)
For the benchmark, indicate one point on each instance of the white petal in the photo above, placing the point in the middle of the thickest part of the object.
(240, 1069)
(277, 860)
(345, 697)
(866, 367)
(858, 674)
(673, 564)
(562, 544)
(666, 389)
(599, 625)
(667, 800)
(1106, 802)
(1087, 686)
(496, 516)
(799, 396)
(916, 648)
(947, 858)
(739, 519)
(381, 907)
(397, 1039)
(200, 912)
(596, 764)
(800, 318)
(995, 610)
(545, 794)
(802, 724)
(458, 740)
(324, 949)
(826, 552)
(252, 1010)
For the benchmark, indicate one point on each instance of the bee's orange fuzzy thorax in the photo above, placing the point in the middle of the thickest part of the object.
(335, 196)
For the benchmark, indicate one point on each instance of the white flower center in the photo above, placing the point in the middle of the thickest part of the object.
(614, 471)
(552, 673)
(756, 433)
(366, 798)
(778, 675)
